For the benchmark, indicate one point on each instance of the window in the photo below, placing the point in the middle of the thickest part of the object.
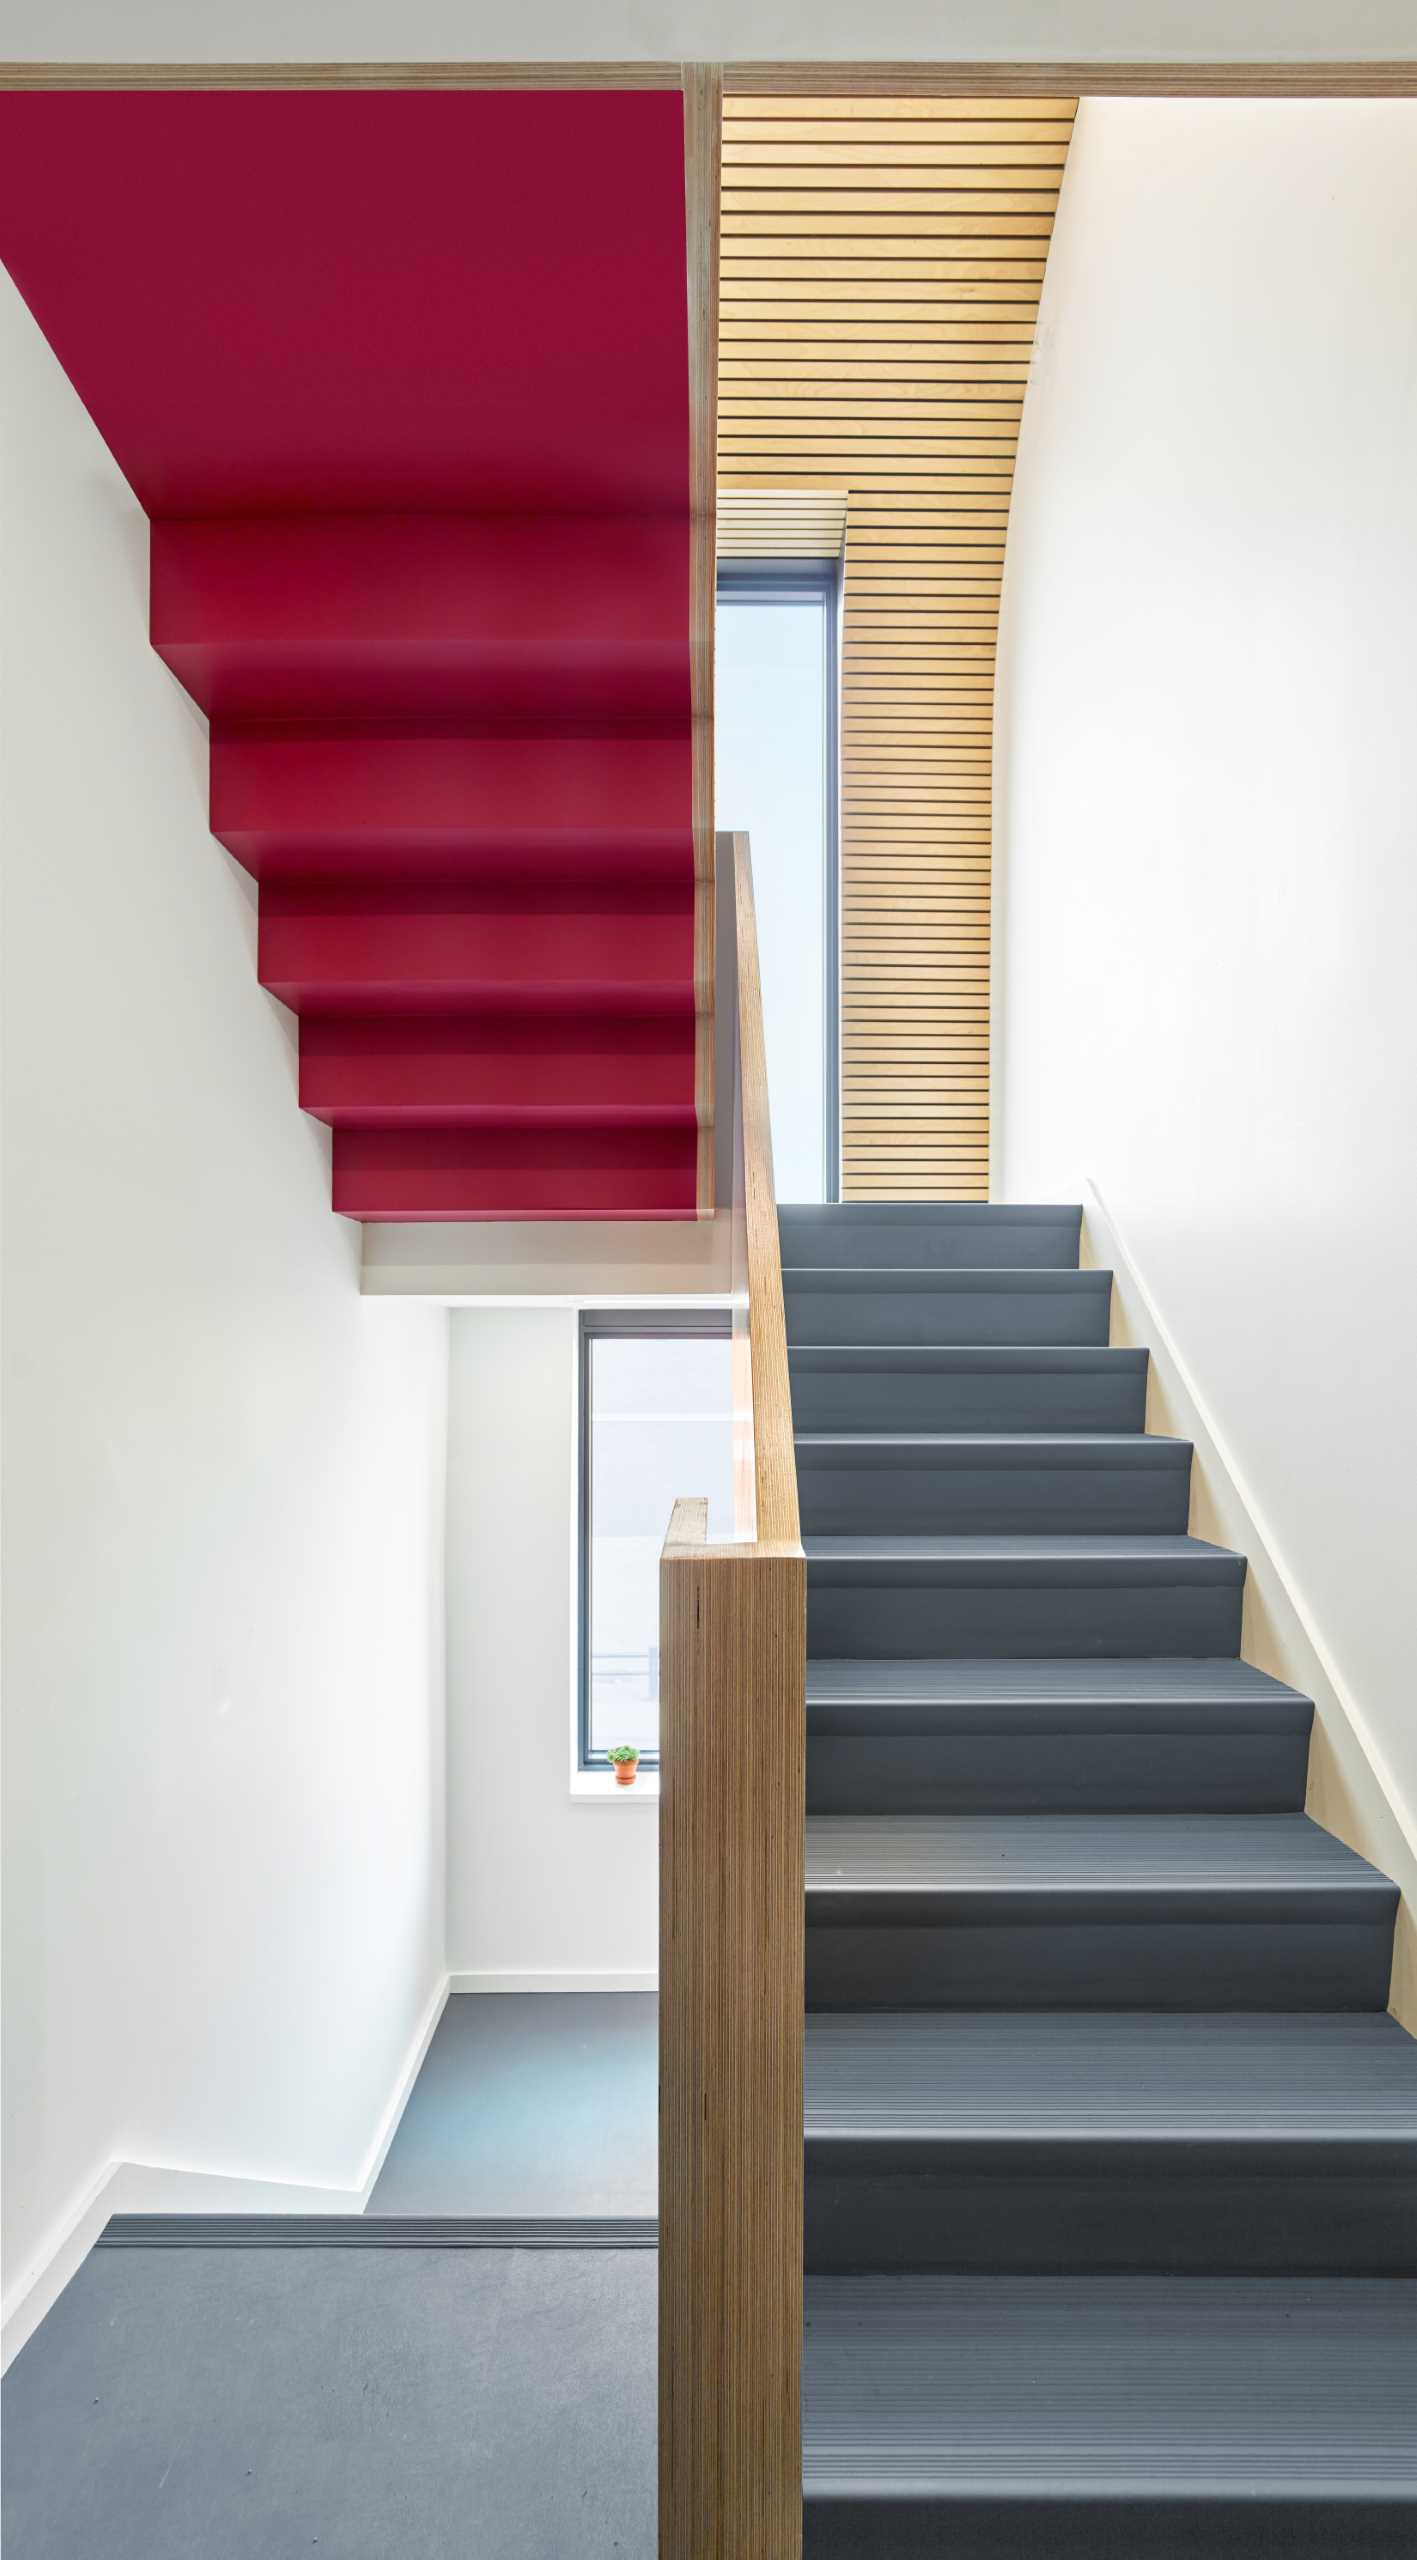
(656, 1422)
(775, 728)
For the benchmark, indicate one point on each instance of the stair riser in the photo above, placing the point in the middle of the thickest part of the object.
(964, 1400)
(1183, 2208)
(1124, 1962)
(943, 1237)
(898, 1619)
(1058, 1773)
(379, 1071)
(879, 1500)
(562, 619)
(277, 796)
(384, 952)
(926, 1315)
(1076, 2526)
(491, 1173)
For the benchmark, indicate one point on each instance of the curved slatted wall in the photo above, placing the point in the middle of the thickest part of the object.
(882, 263)
(781, 524)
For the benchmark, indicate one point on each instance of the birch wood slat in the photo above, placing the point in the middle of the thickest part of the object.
(882, 260)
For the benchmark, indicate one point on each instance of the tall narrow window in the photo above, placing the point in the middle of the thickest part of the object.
(656, 1423)
(775, 726)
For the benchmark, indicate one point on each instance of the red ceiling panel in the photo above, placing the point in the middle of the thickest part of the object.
(279, 301)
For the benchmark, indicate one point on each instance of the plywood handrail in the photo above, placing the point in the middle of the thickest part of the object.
(757, 1253)
(733, 1642)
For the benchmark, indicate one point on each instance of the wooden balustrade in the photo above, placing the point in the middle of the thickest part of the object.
(733, 1641)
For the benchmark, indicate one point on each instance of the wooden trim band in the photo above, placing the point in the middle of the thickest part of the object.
(341, 75)
(1071, 79)
(766, 79)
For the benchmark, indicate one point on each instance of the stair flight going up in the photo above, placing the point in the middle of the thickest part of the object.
(1111, 2142)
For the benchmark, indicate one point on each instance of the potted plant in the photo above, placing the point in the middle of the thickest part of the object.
(624, 1759)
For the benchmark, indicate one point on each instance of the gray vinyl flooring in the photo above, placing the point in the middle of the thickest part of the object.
(538, 2103)
(382, 2403)
(360, 2404)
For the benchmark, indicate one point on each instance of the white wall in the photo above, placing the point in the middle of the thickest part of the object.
(707, 30)
(543, 1887)
(1207, 894)
(224, 1468)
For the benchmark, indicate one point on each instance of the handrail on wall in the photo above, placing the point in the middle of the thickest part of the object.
(733, 1646)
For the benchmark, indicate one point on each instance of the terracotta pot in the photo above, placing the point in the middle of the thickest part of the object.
(626, 1772)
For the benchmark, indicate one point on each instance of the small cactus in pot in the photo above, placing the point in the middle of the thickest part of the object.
(624, 1759)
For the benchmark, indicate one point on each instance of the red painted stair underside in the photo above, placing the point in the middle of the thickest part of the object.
(402, 382)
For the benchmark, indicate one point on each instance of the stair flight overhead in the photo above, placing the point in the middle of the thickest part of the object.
(1111, 2144)
(422, 535)
(461, 775)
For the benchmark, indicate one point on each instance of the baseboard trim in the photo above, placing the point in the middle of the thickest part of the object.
(531, 1981)
(135, 2184)
(377, 2231)
(402, 2089)
(39, 2288)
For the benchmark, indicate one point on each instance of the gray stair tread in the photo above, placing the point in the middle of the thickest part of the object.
(972, 1358)
(1285, 2386)
(955, 1232)
(1096, 1854)
(932, 1213)
(1181, 1681)
(1024, 1277)
(1076, 1448)
(1111, 2075)
(1044, 1547)
(1004, 1557)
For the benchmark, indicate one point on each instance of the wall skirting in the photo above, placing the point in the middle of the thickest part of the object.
(531, 1981)
(168, 2188)
(1352, 1789)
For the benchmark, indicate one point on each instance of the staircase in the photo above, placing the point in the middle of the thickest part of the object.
(1111, 2144)
(402, 381)
(455, 754)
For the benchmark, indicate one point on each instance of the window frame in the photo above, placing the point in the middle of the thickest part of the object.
(788, 581)
(706, 1323)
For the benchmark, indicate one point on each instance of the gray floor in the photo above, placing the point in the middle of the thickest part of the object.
(531, 2104)
(374, 2404)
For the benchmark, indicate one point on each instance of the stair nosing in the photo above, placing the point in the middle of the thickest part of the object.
(1166, 1559)
(1245, 1680)
(968, 2081)
(1082, 1355)
(1324, 1865)
(1029, 1276)
(1135, 1443)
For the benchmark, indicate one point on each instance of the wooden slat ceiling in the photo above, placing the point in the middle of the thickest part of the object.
(882, 260)
(791, 523)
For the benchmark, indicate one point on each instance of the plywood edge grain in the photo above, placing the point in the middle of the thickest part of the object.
(688, 1526)
(774, 1449)
(731, 1960)
(1044, 81)
(1050, 80)
(733, 1647)
(341, 75)
(703, 116)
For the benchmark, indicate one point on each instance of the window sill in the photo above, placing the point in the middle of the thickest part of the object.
(596, 1786)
